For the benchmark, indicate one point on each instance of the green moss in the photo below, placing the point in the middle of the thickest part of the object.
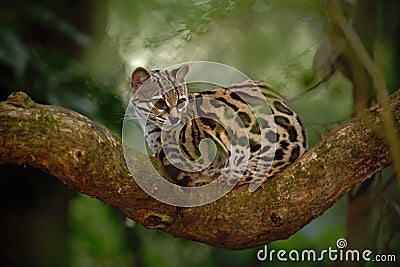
(49, 120)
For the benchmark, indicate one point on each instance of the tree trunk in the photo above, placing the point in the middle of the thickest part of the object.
(89, 158)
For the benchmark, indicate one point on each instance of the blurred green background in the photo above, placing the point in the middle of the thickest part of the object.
(79, 55)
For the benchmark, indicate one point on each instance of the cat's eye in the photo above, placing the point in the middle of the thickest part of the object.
(181, 103)
(160, 104)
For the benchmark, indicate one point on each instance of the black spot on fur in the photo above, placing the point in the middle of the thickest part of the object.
(236, 97)
(292, 134)
(209, 122)
(185, 181)
(155, 130)
(263, 123)
(278, 154)
(212, 92)
(266, 159)
(303, 131)
(265, 149)
(198, 99)
(226, 102)
(279, 163)
(255, 129)
(284, 145)
(182, 134)
(271, 136)
(281, 108)
(255, 147)
(282, 121)
(295, 153)
(239, 160)
(268, 95)
(285, 123)
(245, 119)
(243, 141)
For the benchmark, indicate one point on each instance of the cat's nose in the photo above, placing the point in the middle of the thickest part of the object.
(173, 116)
(173, 120)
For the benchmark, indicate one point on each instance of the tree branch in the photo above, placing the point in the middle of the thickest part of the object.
(89, 158)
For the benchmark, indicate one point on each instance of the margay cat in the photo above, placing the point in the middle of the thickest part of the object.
(275, 139)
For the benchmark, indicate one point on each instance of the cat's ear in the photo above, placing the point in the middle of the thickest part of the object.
(181, 72)
(139, 76)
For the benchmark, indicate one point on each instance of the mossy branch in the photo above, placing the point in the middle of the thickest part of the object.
(89, 158)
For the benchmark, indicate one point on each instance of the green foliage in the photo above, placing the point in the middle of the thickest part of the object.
(97, 236)
(44, 54)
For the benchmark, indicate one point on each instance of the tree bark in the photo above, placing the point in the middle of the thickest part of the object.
(89, 158)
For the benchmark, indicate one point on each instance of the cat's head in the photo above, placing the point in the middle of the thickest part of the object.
(160, 96)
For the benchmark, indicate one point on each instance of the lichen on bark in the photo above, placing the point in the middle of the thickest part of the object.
(89, 158)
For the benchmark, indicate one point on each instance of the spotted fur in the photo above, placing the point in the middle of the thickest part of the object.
(253, 142)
